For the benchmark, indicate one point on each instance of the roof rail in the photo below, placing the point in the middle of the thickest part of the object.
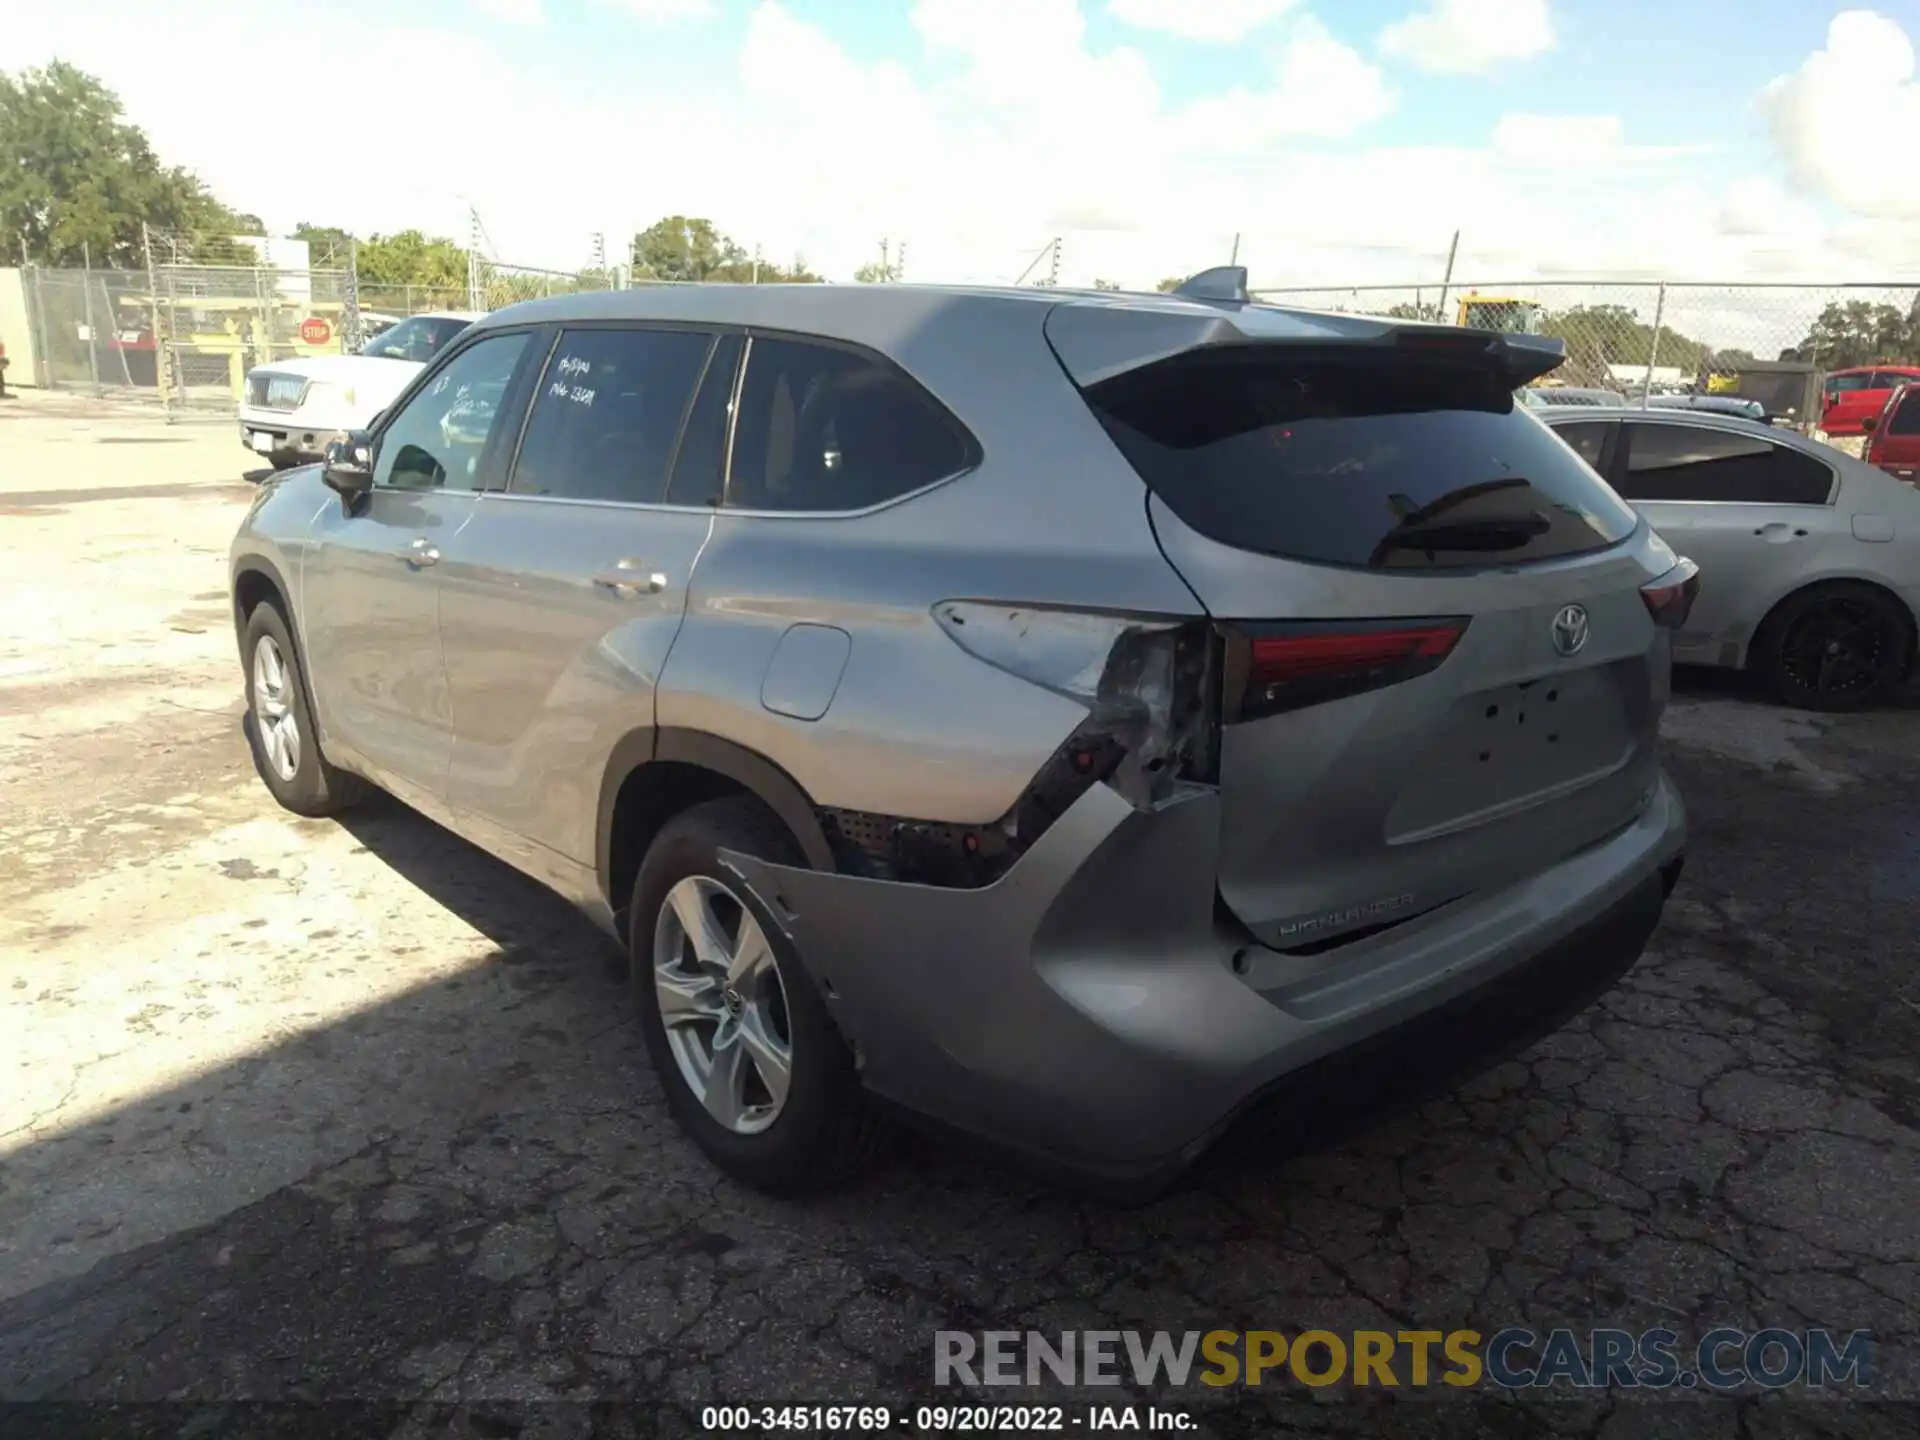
(1223, 282)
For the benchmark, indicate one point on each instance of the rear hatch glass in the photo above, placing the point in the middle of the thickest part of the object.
(1378, 461)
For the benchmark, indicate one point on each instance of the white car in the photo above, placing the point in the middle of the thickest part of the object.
(293, 408)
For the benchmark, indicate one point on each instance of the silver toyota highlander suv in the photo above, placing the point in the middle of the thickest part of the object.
(1077, 720)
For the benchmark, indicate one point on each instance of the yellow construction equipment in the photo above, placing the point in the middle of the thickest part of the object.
(1503, 314)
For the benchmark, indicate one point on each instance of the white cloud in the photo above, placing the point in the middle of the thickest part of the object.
(1469, 37)
(971, 159)
(665, 12)
(1321, 89)
(1842, 121)
(514, 12)
(1557, 139)
(1220, 21)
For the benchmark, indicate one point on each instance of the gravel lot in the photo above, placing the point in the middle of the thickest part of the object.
(298, 1110)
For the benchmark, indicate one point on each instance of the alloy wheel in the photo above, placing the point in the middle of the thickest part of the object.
(1836, 649)
(273, 711)
(723, 1004)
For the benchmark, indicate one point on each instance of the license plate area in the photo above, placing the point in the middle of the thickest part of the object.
(263, 440)
(1505, 747)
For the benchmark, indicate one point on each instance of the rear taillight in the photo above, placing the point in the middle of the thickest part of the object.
(1670, 598)
(1272, 668)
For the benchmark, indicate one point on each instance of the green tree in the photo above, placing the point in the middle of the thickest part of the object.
(877, 272)
(681, 247)
(1860, 332)
(412, 258)
(1172, 282)
(1106, 284)
(77, 178)
(1603, 335)
(1412, 310)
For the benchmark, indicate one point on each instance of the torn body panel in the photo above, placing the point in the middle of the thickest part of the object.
(1092, 1008)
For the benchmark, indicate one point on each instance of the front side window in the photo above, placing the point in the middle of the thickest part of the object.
(1843, 384)
(607, 414)
(438, 439)
(421, 339)
(826, 429)
(1690, 462)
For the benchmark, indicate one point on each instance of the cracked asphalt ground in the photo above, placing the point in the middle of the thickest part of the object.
(297, 1110)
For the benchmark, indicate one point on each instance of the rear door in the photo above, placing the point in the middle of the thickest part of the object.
(1440, 673)
(1750, 512)
(566, 590)
(1895, 446)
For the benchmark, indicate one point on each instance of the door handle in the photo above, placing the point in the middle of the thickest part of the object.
(631, 577)
(421, 553)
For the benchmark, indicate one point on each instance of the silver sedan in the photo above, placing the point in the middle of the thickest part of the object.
(1809, 559)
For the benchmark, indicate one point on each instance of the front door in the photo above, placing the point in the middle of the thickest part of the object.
(369, 586)
(565, 593)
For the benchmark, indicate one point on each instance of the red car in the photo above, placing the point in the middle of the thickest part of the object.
(1893, 436)
(1850, 397)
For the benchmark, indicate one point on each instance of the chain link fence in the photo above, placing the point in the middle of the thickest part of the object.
(185, 331)
(1770, 342)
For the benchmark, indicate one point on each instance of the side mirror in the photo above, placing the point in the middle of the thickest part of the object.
(349, 465)
(1870, 424)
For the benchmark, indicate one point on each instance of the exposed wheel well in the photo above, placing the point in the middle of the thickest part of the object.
(250, 587)
(1761, 630)
(648, 798)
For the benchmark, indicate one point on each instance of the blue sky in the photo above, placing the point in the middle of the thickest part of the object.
(1344, 139)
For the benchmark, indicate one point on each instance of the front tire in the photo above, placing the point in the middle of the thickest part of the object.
(1837, 647)
(754, 1069)
(280, 730)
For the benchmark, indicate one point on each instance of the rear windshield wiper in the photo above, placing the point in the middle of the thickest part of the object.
(1491, 536)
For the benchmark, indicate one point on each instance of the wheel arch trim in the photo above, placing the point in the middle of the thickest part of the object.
(753, 772)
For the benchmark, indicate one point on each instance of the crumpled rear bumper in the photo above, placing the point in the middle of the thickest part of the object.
(1086, 1010)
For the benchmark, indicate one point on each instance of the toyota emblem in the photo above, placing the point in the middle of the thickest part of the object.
(1570, 629)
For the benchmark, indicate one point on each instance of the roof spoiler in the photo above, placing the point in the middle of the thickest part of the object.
(1519, 358)
(1099, 341)
(1223, 282)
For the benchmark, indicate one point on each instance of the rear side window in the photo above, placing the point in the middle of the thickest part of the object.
(1390, 462)
(823, 429)
(607, 412)
(1889, 379)
(1906, 419)
(1690, 462)
(1588, 439)
(1841, 384)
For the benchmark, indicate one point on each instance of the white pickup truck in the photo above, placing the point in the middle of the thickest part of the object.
(293, 408)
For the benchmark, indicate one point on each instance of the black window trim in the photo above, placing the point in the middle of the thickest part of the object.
(715, 333)
(1624, 459)
(473, 335)
(976, 455)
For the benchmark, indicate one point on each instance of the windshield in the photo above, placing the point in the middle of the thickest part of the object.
(1375, 461)
(418, 339)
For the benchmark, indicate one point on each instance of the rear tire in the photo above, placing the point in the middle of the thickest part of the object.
(279, 723)
(741, 1011)
(1835, 647)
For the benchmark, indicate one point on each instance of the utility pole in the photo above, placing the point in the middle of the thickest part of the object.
(473, 258)
(1234, 258)
(1053, 266)
(599, 251)
(1447, 279)
(886, 260)
(756, 262)
(900, 261)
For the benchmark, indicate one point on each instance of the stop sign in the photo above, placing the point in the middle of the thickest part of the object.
(315, 331)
